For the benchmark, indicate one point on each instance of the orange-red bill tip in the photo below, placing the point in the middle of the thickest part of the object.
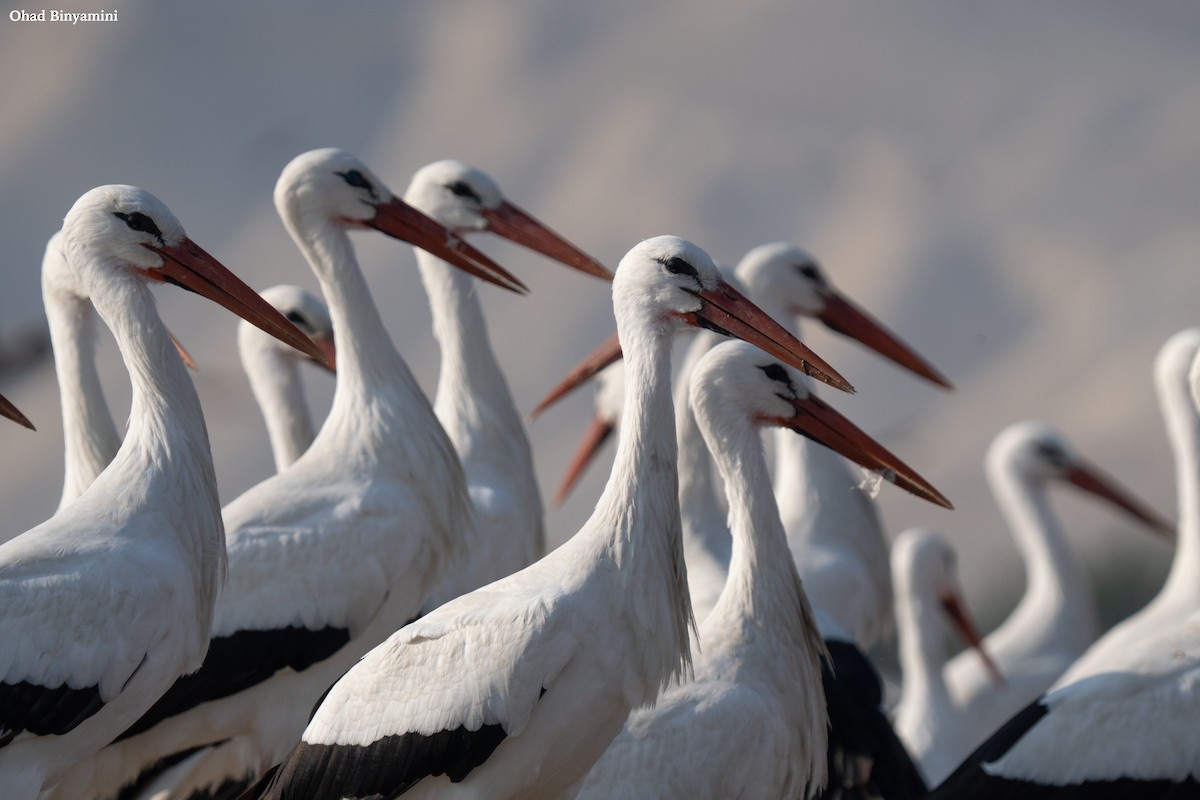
(842, 315)
(957, 612)
(519, 226)
(820, 422)
(398, 219)
(329, 349)
(727, 311)
(1092, 480)
(607, 353)
(594, 437)
(7, 409)
(187, 265)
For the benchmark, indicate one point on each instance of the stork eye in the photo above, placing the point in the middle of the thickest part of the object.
(1051, 452)
(677, 266)
(463, 189)
(777, 373)
(809, 271)
(357, 180)
(137, 221)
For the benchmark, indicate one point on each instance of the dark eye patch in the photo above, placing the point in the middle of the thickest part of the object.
(137, 221)
(677, 266)
(299, 320)
(1051, 452)
(777, 373)
(463, 189)
(357, 180)
(809, 270)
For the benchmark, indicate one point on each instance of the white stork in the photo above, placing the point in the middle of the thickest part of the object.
(751, 723)
(473, 401)
(274, 370)
(516, 689)
(109, 601)
(330, 556)
(90, 437)
(1055, 620)
(925, 577)
(1176, 378)
(1127, 732)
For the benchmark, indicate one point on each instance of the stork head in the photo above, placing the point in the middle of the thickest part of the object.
(792, 278)
(465, 199)
(735, 381)
(117, 233)
(303, 309)
(1037, 452)
(924, 565)
(332, 187)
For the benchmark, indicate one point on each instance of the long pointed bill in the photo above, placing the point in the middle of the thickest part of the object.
(188, 266)
(726, 311)
(325, 343)
(609, 352)
(1092, 480)
(7, 409)
(596, 435)
(399, 219)
(842, 315)
(966, 628)
(818, 421)
(521, 227)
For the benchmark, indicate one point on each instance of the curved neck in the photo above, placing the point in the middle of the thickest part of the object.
(90, 436)
(704, 526)
(637, 516)
(1183, 432)
(1057, 589)
(473, 401)
(763, 585)
(165, 459)
(275, 380)
(375, 390)
(922, 644)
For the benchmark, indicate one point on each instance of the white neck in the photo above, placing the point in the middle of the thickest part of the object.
(165, 460)
(90, 436)
(1057, 603)
(636, 523)
(705, 531)
(473, 400)
(379, 419)
(1183, 433)
(275, 380)
(922, 644)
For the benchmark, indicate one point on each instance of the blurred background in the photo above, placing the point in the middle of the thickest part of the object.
(1013, 188)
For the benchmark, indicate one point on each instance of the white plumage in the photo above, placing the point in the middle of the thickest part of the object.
(334, 553)
(274, 370)
(516, 688)
(751, 722)
(1055, 620)
(111, 599)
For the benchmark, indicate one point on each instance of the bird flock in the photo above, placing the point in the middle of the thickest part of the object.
(381, 617)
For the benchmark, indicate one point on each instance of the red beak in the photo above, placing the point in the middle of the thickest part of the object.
(12, 412)
(725, 310)
(596, 435)
(521, 227)
(189, 266)
(400, 220)
(842, 315)
(330, 352)
(1091, 479)
(957, 612)
(188, 361)
(607, 353)
(820, 422)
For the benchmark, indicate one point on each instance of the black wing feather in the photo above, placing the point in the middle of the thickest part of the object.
(387, 767)
(237, 662)
(971, 781)
(865, 759)
(44, 711)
